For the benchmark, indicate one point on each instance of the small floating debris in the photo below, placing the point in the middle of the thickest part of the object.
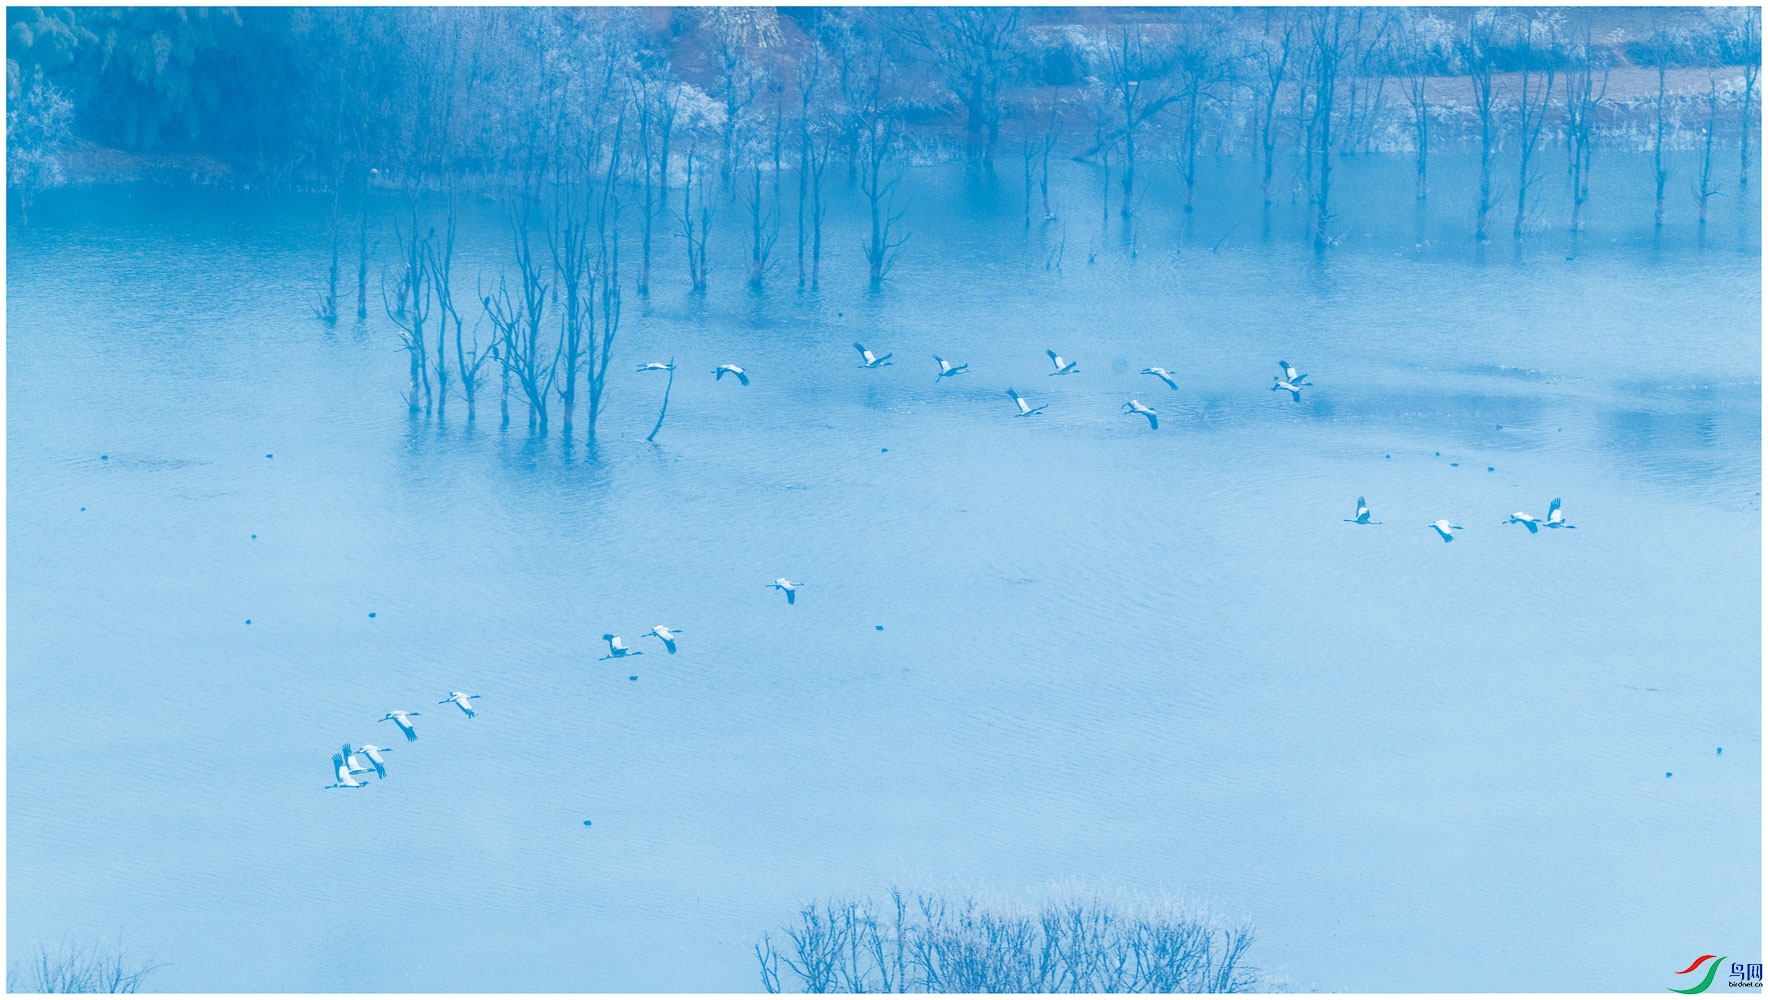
(586, 822)
(269, 456)
(878, 627)
(1454, 465)
(1719, 751)
(248, 621)
(371, 614)
(254, 536)
(882, 450)
(634, 677)
(104, 458)
(1490, 469)
(1666, 774)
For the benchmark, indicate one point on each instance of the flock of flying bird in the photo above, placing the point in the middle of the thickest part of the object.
(365, 759)
(352, 761)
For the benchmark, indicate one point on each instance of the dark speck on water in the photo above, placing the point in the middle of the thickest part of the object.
(254, 536)
(634, 677)
(82, 508)
(878, 627)
(371, 614)
(1454, 465)
(104, 458)
(586, 822)
(248, 621)
(269, 456)
(1719, 751)
(1490, 469)
(882, 450)
(1666, 774)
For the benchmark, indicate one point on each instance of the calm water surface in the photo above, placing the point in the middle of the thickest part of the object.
(1157, 661)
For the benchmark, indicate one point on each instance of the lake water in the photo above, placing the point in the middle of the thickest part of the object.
(1156, 661)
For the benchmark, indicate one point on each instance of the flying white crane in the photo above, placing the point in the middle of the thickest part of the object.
(1135, 406)
(1290, 380)
(1528, 521)
(402, 718)
(1062, 367)
(789, 587)
(1362, 514)
(1025, 409)
(342, 770)
(460, 698)
(719, 373)
(1163, 375)
(871, 361)
(656, 366)
(617, 647)
(667, 634)
(373, 753)
(1556, 517)
(1445, 529)
(354, 763)
(947, 369)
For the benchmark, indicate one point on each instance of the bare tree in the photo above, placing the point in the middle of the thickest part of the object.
(77, 968)
(1332, 33)
(1661, 50)
(1424, 46)
(655, 103)
(695, 228)
(1704, 188)
(409, 309)
(1476, 44)
(971, 48)
(1750, 53)
(1270, 58)
(1539, 56)
(1138, 74)
(764, 217)
(879, 175)
(1197, 71)
(939, 945)
(1586, 85)
(528, 356)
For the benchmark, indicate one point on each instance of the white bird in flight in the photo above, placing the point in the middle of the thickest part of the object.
(1556, 517)
(719, 373)
(373, 753)
(355, 764)
(871, 360)
(1062, 367)
(1163, 375)
(1290, 374)
(1445, 529)
(667, 634)
(1528, 521)
(656, 366)
(1362, 514)
(789, 587)
(1135, 406)
(617, 648)
(342, 770)
(460, 698)
(1025, 409)
(403, 719)
(947, 369)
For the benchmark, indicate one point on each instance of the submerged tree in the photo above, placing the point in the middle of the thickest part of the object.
(1750, 54)
(1270, 58)
(1586, 84)
(1704, 188)
(972, 49)
(1538, 47)
(1477, 42)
